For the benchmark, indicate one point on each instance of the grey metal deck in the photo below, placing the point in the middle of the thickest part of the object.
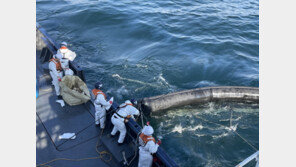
(53, 120)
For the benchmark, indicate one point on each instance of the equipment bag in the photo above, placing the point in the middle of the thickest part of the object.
(73, 90)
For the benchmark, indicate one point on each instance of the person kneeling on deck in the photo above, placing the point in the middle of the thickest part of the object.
(101, 105)
(148, 146)
(67, 53)
(56, 72)
(65, 66)
(126, 110)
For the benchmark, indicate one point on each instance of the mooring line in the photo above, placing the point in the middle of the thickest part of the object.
(232, 130)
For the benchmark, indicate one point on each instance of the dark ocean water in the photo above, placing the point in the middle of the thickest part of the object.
(202, 135)
(146, 48)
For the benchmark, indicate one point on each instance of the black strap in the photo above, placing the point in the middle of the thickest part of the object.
(119, 115)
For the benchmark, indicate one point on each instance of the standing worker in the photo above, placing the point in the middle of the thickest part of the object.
(67, 53)
(148, 146)
(119, 118)
(101, 105)
(56, 72)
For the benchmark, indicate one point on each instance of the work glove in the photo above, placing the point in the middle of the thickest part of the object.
(127, 118)
(159, 142)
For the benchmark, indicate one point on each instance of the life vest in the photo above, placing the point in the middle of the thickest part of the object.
(143, 139)
(63, 49)
(57, 63)
(128, 116)
(126, 104)
(97, 91)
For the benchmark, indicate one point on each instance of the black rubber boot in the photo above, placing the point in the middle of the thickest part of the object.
(120, 144)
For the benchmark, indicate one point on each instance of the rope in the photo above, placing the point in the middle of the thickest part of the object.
(136, 149)
(245, 140)
(142, 117)
(101, 153)
(66, 159)
(66, 140)
(83, 129)
(230, 121)
(231, 130)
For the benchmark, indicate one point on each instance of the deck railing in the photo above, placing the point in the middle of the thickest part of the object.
(254, 156)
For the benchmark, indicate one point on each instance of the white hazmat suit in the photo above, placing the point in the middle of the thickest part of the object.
(68, 71)
(65, 66)
(101, 106)
(147, 149)
(67, 53)
(118, 119)
(55, 73)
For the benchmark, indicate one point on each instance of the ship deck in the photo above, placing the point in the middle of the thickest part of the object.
(53, 120)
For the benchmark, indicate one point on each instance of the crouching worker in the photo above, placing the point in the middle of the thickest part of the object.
(68, 71)
(119, 118)
(101, 105)
(56, 72)
(65, 66)
(148, 146)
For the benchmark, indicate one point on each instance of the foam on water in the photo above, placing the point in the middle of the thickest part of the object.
(210, 129)
(147, 48)
(170, 45)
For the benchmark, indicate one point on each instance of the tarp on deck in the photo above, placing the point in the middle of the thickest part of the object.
(73, 90)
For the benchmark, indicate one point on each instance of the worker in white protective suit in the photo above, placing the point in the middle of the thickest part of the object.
(148, 146)
(65, 64)
(68, 71)
(56, 72)
(66, 52)
(101, 105)
(119, 118)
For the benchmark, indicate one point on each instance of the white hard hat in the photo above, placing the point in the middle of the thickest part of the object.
(64, 44)
(59, 56)
(148, 130)
(128, 102)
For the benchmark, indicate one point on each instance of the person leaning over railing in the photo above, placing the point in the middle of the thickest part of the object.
(148, 146)
(119, 118)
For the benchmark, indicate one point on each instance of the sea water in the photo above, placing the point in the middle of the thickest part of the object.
(146, 48)
(211, 134)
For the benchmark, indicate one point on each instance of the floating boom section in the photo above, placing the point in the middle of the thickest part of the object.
(199, 95)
